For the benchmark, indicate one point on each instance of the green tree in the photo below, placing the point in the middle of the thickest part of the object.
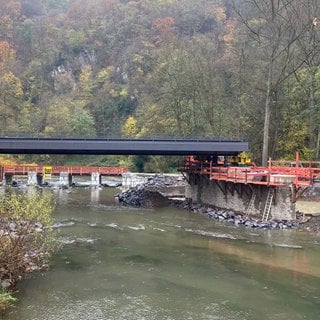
(10, 13)
(130, 129)
(309, 47)
(295, 116)
(26, 39)
(82, 123)
(11, 95)
(67, 117)
(272, 29)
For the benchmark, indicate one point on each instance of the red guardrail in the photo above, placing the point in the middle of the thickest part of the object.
(271, 175)
(56, 170)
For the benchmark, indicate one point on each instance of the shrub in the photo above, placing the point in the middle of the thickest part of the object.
(6, 301)
(25, 237)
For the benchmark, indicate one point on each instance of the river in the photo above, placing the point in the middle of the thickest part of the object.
(118, 262)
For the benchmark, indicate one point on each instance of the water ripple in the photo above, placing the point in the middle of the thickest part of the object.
(132, 308)
(114, 226)
(70, 240)
(137, 228)
(212, 234)
(290, 246)
(63, 224)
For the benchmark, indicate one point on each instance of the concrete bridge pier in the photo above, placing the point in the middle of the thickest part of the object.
(39, 179)
(8, 179)
(32, 178)
(65, 179)
(95, 179)
(2, 181)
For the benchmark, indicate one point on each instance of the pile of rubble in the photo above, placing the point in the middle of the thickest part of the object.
(153, 193)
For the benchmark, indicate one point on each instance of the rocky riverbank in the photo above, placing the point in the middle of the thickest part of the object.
(235, 218)
(152, 194)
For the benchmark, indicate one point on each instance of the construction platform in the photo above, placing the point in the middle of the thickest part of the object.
(276, 174)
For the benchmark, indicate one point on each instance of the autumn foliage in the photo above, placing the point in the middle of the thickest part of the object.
(213, 69)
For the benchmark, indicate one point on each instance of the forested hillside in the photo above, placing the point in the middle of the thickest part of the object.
(164, 68)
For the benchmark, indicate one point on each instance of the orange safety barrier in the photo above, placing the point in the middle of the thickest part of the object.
(56, 170)
(273, 175)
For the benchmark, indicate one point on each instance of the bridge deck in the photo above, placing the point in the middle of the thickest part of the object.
(121, 146)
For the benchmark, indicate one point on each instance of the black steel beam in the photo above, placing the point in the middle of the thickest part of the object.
(121, 146)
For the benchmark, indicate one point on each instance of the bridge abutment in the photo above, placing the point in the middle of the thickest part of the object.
(250, 199)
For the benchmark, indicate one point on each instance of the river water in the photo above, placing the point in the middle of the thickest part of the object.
(118, 262)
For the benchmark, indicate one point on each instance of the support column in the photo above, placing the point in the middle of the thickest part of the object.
(95, 179)
(32, 178)
(64, 179)
(39, 179)
(70, 179)
(8, 178)
(2, 175)
(200, 188)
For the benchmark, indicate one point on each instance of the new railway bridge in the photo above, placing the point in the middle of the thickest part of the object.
(167, 147)
(267, 191)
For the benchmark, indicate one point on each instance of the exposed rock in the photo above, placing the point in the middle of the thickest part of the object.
(140, 197)
(152, 193)
(238, 219)
(312, 193)
(313, 224)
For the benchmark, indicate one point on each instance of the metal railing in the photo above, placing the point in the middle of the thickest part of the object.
(56, 170)
(272, 175)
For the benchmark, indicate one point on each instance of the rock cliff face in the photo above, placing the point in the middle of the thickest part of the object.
(153, 193)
